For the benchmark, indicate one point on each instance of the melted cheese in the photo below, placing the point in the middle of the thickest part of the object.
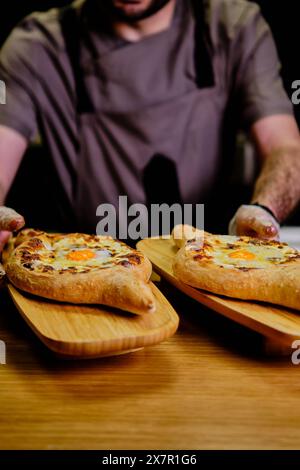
(77, 252)
(244, 252)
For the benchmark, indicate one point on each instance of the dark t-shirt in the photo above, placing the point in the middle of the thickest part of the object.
(137, 106)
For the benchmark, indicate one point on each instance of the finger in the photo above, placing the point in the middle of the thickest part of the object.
(265, 228)
(10, 219)
(258, 227)
(269, 231)
(4, 237)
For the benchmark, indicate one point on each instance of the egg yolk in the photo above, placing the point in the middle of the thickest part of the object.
(80, 255)
(242, 254)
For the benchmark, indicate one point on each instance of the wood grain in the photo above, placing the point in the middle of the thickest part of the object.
(279, 324)
(93, 331)
(204, 388)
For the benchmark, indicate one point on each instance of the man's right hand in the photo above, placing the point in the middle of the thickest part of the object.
(10, 221)
(253, 221)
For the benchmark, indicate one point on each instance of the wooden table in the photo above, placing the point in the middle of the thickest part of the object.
(208, 387)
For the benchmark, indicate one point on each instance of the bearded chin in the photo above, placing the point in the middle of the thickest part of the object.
(119, 14)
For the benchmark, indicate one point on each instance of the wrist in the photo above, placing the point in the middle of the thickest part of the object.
(267, 207)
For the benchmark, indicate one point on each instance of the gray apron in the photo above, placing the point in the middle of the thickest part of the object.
(146, 107)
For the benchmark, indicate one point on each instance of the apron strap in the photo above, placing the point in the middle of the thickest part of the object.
(71, 27)
(204, 68)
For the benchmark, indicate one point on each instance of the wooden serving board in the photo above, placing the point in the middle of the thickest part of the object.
(77, 331)
(281, 326)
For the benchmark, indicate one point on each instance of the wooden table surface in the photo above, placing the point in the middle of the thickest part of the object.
(208, 387)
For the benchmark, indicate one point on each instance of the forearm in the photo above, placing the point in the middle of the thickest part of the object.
(278, 185)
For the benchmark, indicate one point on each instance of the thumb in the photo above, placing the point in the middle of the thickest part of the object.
(253, 221)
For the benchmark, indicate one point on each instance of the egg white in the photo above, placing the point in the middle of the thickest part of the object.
(107, 256)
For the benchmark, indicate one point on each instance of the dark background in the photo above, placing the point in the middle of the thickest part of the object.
(282, 15)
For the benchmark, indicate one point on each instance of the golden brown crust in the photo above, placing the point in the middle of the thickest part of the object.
(183, 232)
(124, 285)
(26, 234)
(13, 242)
(118, 289)
(278, 283)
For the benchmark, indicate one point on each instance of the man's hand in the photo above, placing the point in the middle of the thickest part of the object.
(277, 141)
(10, 220)
(253, 221)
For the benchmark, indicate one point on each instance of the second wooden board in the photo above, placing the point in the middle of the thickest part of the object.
(278, 324)
(81, 331)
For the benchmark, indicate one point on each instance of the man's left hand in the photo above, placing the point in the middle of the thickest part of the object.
(254, 221)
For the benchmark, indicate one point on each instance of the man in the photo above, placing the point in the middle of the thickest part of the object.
(112, 84)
